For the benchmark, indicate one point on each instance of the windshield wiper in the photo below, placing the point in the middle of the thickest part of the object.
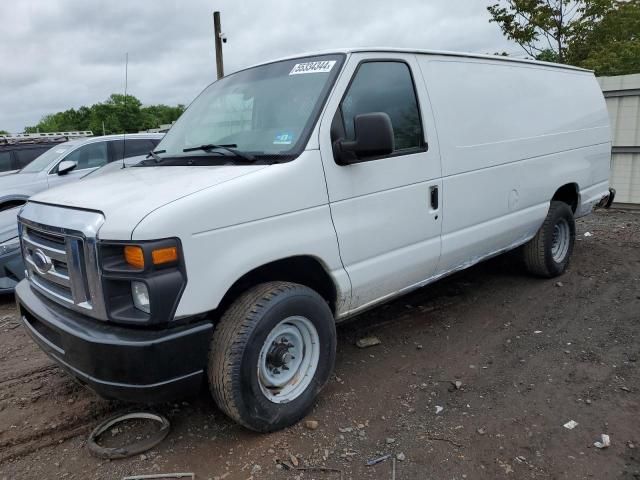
(155, 156)
(230, 147)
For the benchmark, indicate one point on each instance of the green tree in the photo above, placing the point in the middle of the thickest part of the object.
(156, 115)
(4, 132)
(545, 28)
(610, 46)
(114, 115)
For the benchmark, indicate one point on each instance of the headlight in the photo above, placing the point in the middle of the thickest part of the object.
(140, 294)
(142, 281)
(9, 246)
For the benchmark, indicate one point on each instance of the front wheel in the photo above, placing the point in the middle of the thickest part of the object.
(548, 253)
(271, 354)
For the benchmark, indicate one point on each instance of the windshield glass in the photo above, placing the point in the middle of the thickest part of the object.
(43, 161)
(267, 110)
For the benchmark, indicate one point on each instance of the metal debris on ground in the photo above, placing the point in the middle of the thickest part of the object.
(439, 409)
(161, 476)
(588, 234)
(375, 461)
(134, 448)
(571, 424)
(604, 443)
(367, 342)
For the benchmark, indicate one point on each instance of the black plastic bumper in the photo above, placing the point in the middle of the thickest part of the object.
(11, 271)
(607, 200)
(123, 363)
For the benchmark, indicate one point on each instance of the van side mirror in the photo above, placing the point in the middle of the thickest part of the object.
(373, 138)
(66, 166)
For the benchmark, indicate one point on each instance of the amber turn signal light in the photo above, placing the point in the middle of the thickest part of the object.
(164, 255)
(134, 256)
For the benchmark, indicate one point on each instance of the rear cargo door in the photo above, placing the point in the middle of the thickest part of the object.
(387, 210)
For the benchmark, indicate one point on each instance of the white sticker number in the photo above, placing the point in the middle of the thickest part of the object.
(312, 67)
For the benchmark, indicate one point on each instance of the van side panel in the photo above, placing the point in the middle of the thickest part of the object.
(511, 135)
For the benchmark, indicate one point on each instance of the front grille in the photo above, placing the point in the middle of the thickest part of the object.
(59, 247)
(60, 275)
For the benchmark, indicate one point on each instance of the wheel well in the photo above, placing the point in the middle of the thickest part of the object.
(11, 203)
(304, 270)
(568, 194)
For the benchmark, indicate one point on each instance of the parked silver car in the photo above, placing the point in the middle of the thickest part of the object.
(71, 161)
(11, 265)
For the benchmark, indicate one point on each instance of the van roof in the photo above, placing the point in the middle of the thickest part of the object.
(428, 52)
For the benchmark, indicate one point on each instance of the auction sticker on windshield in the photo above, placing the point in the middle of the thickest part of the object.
(312, 67)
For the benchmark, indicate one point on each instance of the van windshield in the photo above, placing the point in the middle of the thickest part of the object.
(263, 112)
(43, 161)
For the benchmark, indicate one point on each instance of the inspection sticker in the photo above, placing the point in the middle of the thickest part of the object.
(283, 139)
(312, 67)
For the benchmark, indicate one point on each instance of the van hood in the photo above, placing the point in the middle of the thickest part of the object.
(127, 195)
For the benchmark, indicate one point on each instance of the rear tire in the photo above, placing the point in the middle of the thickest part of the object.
(271, 354)
(548, 253)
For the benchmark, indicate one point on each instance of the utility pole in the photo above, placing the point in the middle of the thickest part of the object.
(218, 39)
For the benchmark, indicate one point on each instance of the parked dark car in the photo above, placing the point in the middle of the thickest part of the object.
(11, 265)
(15, 156)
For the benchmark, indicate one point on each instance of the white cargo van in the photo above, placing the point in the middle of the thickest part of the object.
(298, 193)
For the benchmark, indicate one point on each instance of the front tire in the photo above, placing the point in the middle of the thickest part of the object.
(271, 354)
(548, 253)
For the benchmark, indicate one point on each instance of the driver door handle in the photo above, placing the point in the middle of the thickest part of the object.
(434, 197)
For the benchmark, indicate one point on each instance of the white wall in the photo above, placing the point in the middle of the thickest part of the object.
(622, 94)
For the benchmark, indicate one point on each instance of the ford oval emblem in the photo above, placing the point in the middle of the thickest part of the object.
(42, 262)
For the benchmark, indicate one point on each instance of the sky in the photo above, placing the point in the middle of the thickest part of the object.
(61, 54)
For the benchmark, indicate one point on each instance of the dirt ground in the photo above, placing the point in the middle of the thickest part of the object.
(530, 354)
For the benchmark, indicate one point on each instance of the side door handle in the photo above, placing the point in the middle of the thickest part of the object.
(433, 195)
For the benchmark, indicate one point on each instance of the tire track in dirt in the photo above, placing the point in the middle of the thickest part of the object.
(28, 375)
(40, 405)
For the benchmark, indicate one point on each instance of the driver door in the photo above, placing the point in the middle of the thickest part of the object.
(386, 210)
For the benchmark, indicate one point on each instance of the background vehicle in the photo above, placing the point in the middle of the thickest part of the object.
(298, 193)
(69, 161)
(11, 264)
(17, 151)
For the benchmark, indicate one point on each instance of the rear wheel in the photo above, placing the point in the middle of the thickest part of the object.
(548, 253)
(271, 354)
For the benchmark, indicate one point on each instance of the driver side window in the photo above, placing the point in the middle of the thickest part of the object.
(89, 156)
(385, 86)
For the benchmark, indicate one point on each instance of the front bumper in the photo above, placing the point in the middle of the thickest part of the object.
(11, 271)
(123, 363)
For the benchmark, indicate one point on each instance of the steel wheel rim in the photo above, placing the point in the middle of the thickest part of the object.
(288, 359)
(561, 240)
